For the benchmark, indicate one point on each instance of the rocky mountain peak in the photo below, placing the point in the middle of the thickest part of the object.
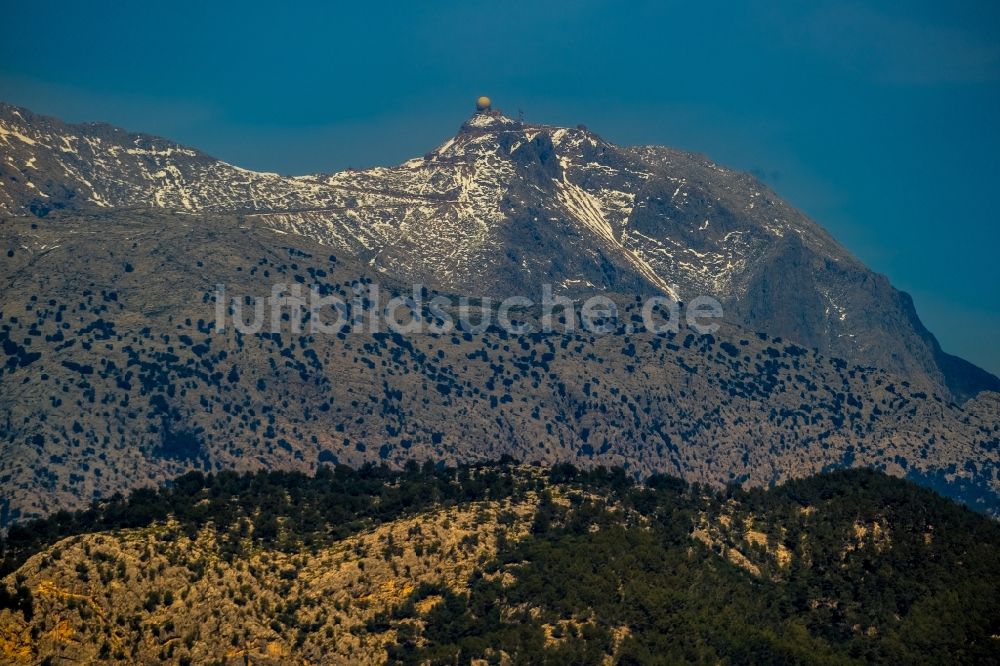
(504, 206)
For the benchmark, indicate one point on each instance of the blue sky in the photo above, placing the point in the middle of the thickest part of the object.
(879, 122)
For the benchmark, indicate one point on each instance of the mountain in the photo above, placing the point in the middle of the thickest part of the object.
(118, 372)
(505, 206)
(116, 375)
(504, 564)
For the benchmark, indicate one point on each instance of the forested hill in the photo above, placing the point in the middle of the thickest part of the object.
(507, 563)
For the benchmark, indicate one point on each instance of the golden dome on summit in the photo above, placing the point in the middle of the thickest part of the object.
(483, 103)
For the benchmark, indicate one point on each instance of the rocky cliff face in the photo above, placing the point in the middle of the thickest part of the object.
(505, 206)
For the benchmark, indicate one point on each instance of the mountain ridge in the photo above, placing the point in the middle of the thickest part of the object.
(116, 373)
(504, 206)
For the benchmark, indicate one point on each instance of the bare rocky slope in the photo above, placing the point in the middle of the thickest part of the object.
(115, 376)
(504, 206)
